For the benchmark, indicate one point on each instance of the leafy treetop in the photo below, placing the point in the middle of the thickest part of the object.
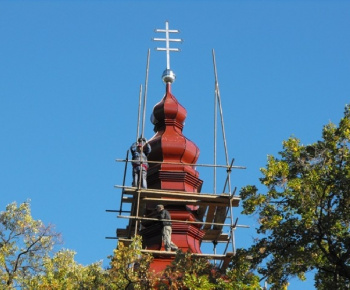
(304, 214)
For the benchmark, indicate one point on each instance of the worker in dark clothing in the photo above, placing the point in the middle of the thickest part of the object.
(140, 151)
(163, 214)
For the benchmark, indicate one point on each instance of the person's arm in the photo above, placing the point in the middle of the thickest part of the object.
(166, 215)
(147, 149)
(133, 148)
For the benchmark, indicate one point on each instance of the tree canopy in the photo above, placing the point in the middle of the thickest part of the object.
(24, 243)
(304, 213)
(62, 272)
(27, 260)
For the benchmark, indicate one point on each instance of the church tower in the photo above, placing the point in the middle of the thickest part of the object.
(173, 181)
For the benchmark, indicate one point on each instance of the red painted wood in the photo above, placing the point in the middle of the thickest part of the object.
(170, 145)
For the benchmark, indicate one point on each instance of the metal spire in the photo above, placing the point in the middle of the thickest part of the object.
(168, 75)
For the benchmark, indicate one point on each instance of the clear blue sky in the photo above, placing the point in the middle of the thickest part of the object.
(70, 73)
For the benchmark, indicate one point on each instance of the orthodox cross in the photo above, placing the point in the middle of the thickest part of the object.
(167, 41)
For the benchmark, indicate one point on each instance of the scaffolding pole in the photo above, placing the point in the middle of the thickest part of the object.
(185, 164)
(217, 93)
(178, 221)
(139, 114)
(142, 136)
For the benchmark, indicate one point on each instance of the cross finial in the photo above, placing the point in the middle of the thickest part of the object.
(167, 48)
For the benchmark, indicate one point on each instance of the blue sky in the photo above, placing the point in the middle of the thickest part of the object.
(70, 73)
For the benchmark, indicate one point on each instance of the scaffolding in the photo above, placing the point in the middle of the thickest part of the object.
(213, 212)
(213, 209)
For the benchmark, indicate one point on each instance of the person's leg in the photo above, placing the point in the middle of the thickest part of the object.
(167, 237)
(173, 247)
(135, 177)
(144, 178)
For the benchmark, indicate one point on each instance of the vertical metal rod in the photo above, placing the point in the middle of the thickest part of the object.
(228, 170)
(125, 169)
(233, 241)
(215, 244)
(137, 211)
(224, 137)
(139, 114)
(221, 115)
(215, 125)
(217, 95)
(145, 94)
(142, 135)
(126, 165)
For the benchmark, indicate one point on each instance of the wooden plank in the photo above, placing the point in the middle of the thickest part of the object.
(126, 242)
(171, 220)
(215, 235)
(222, 198)
(199, 255)
(201, 211)
(210, 217)
(227, 260)
(180, 201)
(124, 233)
(220, 217)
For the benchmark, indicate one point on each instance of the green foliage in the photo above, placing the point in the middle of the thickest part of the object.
(24, 244)
(63, 272)
(129, 269)
(25, 261)
(240, 275)
(190, 272)
(305, 213)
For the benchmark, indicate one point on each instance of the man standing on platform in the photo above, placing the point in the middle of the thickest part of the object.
(163, 214)
(139, 152)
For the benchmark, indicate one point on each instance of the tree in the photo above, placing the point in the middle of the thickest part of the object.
(129, 269)
(190, 272)
(63, 272)
(27, 260)
(305, 213)
(24, 243)
(240, 274)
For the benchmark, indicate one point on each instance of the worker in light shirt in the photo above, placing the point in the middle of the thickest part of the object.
(139, 152)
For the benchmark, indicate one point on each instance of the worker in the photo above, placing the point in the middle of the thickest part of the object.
(164, 215)
(139, 152)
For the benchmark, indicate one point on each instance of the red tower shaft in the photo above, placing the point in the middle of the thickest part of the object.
(175, 158)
